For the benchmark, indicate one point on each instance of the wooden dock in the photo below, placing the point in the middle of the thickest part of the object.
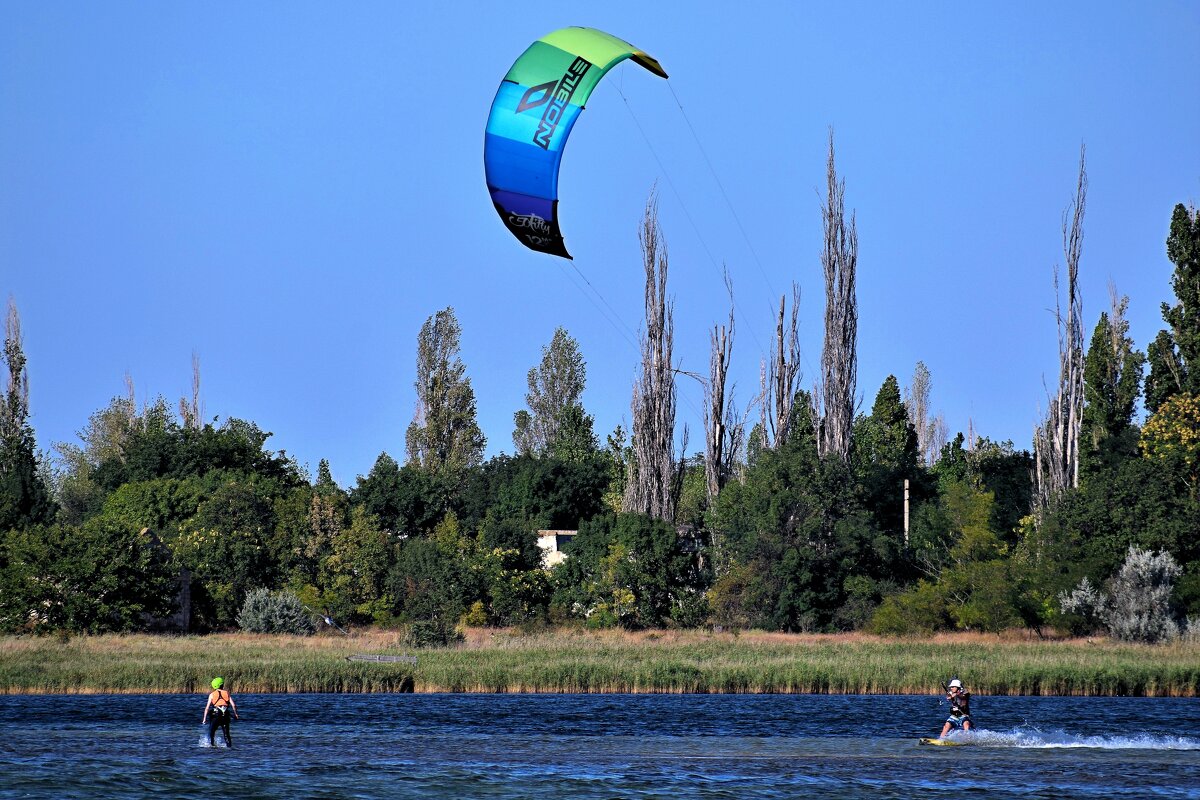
(378, 659)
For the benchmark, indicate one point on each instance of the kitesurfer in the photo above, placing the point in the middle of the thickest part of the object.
(960, 708)
(220, 702)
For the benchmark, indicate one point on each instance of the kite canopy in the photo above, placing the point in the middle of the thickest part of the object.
(531, 117)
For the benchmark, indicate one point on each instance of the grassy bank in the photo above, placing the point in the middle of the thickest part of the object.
(610, 661)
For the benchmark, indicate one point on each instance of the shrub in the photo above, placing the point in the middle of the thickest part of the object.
(275, 612)
(431, 633)
(1085, 604)
(920, 610)
(1138, 608)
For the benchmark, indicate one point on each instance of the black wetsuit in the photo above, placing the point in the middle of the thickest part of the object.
(218, 717)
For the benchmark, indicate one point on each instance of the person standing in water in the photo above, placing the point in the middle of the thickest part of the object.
(220, 702)
(960, 708)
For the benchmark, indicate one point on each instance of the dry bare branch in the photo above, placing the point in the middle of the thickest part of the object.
(1056, 440)
(652, 486)
(839, 356)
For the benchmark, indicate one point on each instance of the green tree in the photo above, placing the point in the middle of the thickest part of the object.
(885, 453)
(445, 436)
(1112, 374)
(226, 547)
(102, 576)
(104, 438)
(24, 498)
(353, 573)
(555, 387)
(1172, 435)
(1175, 353)
(995, 467)
(427, 585)
(626, 569)
(407, 500)
(324, 476)
(575, 439)
(799, 524)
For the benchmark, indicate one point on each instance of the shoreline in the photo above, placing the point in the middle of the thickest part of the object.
(573, 661)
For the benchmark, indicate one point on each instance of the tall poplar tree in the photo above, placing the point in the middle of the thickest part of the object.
(839, 355)
(1174, 354)
(444, 435)
(24, 499)
(554, 397)
(1112, 376)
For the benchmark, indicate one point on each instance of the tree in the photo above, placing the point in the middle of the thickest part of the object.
(444, 436)
(324, 476)
(1166, 371)
(24, 498)
(1056, 440)
(426, 588)
(885, 455)
(1112, 374)
(839, 355)
(102, 576)
(1172, 435)
(555, 386)
(575, 440)
(782, 375)
(406, 500)
(888, 436)
(626, 569)
(1175, 353)
(353, 573)
(652, 486)
(104, 438)
(724, 430)
(916, 401)
(225, 546)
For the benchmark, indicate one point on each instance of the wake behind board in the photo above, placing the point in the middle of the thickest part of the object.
(942, 742)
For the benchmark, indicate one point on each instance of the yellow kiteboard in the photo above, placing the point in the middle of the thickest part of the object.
(942, 742)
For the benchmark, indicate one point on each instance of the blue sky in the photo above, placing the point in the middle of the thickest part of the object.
(290, 190)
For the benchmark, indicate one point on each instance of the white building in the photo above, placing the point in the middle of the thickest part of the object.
(552, 544)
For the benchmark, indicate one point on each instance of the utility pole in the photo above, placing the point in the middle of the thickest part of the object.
(906, 512)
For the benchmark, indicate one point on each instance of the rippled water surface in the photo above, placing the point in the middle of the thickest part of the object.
(597, 746)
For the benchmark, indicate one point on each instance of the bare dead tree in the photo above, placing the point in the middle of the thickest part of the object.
(839, 356)
(937, 434)
(716, 432)
(916, 402)
(724, 427)
(1056, 440)
(192, 413)
(651, 487)
(784, 371)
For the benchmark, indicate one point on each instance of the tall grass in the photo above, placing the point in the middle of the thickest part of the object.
(610, 661)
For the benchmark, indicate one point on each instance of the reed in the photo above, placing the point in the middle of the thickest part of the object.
(607, 661)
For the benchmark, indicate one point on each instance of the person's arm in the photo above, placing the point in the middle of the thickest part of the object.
(233, 706)
(206, 707)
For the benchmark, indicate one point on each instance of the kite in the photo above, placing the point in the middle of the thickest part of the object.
(535, 107)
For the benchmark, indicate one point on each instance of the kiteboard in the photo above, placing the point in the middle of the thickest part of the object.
(942, 742)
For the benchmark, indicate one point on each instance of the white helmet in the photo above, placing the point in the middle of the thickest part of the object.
(956, 684)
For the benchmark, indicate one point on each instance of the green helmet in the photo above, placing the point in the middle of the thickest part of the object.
(217, 683)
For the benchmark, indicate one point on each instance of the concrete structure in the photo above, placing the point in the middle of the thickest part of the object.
(552, 544)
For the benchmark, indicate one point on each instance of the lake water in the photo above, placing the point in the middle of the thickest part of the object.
(597, 746)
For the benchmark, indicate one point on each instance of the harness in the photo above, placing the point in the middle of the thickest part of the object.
(221, 704)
